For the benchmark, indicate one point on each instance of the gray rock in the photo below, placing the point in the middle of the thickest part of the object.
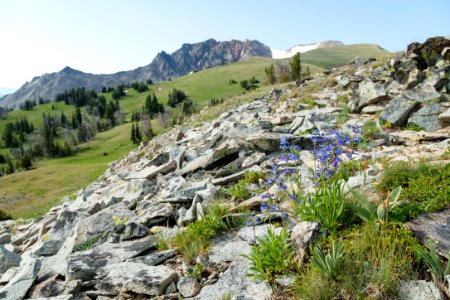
(8, 275)
(188, 286)
(56, 236)
(427, 117)
(153, 213)
(153, 259)
(304, 232)
(150, 172)
(134, 230)
(225, 153)
(372, 109)
(53, 287)
(418, 290)
(434, 227)
(285, 280)
(236, 283)
(5, 238)
(256, 158)
(8, 259)
(269, 142)
(397, 111)
(191, 189)
(423, 92)
(445, 116)
(371, 93)
(18, 286)
(251, 232)
(101, 222)
(140, 279)
(195, 165)
(226, 248)
(85, 265)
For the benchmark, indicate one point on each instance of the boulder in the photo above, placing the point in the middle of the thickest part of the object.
(140, 279)
(428, 53)
(150, 172)
(188, 286)
(427, 117)
(102, 222)
(225, 153)
(424, 92)
(55, 237)
(418, 290)
(196, 164)
(302, 235)
(153, 213)
(434, 227)
(258, 157)
(372, 109)
(8, 260)
(371, 93)
(86, 264)
(134, 230)
(397, 111)
(235, 282)
(18, 286)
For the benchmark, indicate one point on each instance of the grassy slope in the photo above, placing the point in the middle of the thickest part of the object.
(331, 57)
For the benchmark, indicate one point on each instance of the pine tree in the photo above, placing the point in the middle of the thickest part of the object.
(137, 134)
(296, 67)
(270, 72)
(133, 134)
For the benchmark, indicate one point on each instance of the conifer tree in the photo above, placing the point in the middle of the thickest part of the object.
(296, 67)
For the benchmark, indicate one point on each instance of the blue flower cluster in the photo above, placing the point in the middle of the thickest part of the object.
(328, 148)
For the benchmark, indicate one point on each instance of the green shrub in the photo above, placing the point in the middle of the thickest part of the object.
(239, 191)
(370, 130)
(413, 127)
(271, 256)
(327, 205)
(376, 259)
(4, 215)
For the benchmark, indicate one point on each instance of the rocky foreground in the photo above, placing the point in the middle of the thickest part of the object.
(103, 245)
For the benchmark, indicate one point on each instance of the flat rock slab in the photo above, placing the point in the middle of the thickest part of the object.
(235, 282)
(251, 232)
(226, 248)
(434, 227)
(128, 277)
(85, 265)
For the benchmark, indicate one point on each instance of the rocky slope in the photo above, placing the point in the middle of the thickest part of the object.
(189, 58)
(103, 244)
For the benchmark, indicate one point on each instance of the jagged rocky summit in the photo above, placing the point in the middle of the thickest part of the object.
(103, 245)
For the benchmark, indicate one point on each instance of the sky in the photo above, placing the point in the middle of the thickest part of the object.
(107, 36)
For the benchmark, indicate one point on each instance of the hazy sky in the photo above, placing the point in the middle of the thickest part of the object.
(105, 36)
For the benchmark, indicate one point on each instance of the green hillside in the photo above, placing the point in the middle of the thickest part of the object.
(334, 56)
(31, 193)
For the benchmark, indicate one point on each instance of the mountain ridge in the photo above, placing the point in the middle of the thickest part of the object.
(189, 58)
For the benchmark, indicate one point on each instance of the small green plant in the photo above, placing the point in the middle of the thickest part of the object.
(271, 256)
(413, 127)
(344, 115)
(368, 212)
(327, 205)
(369, 129)
(226, 296)
(435, 267)
(387, 125)
(239, 190)
(162, 244)
(196, 271)
(253, 177)
(330, 263)
(195, 239)
(86, 245)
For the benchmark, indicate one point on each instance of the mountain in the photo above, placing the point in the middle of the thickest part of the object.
(302, 48)
(189, 58)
